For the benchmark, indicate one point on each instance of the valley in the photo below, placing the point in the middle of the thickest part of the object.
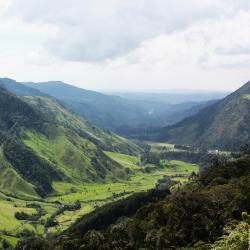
(61, 174)
(89, 195)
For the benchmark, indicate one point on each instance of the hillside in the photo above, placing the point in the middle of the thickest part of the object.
(223, 125)
(42, 142)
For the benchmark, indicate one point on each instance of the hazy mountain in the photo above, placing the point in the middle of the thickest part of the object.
(224, 124)
(107, 111)
(115, 112)
(20, 89)
(127, 117)
(173, 97)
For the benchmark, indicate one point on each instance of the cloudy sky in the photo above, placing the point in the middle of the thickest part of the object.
(127, 44)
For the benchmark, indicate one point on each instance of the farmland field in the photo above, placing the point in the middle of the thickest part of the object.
(90, 195)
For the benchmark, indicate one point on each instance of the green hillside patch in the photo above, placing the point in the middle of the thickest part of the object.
(7, 216)
(12, 228)
(183, 167)
(11, 239)
(128, 161)
(64, 117)
(12, 183)
(76, 157)
(72, 159)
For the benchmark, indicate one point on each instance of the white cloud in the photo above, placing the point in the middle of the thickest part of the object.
(94, 30)
(132, 44)
(209, 43)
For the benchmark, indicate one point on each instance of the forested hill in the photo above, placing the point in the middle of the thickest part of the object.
(42, 142)
(223, 125)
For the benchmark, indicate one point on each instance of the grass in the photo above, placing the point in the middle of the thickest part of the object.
(127, 161)
(71, 157)
(7, 216)
(160, 144)
(73, 121)
(11, 239)
(12, 183)
(91, 195)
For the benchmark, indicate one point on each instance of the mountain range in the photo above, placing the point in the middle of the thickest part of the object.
(218, 124)
(45, 142)
(119, 114)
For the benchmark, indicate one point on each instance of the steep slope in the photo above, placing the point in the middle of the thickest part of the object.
(224, 124)
(42, 142)
(106, 140)
(15, 117)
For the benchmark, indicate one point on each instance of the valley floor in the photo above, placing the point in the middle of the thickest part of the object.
(90, 195)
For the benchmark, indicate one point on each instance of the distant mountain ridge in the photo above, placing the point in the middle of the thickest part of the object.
(117, 112)
(106, 111)
(223, 125)
(19, 89)
(127, 117)
(174, 97)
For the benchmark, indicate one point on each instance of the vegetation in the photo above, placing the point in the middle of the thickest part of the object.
(211, 211)
(66, 184)
(41, 141)
(90, 195)
(30, 166)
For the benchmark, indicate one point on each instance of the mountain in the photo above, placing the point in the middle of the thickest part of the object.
(20, 89)
(105, 111)
(184, 110)
(41, 142)
(223, 125)
(119, 114)
(128, 117)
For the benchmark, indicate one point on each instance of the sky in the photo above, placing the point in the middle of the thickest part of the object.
(135, 45)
